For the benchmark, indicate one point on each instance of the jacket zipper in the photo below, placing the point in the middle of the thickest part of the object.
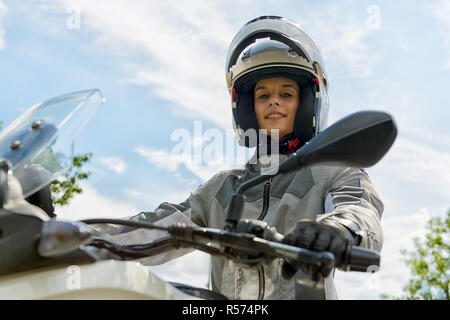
(261, 276)
(262, 284)
(265, 199)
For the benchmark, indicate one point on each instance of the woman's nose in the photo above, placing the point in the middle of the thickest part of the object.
(274, 100)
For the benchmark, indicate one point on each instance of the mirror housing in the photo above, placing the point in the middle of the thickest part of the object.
(358, 140)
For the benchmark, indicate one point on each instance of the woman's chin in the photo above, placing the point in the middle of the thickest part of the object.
(276, 133)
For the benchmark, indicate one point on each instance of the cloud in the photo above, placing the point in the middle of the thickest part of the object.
(170, 48)
(113, 163)
(3, 11)
(418, 164)
(344, 40)
(393, 274)
(91, 204)
(441, 11)
(346, 44)
(134, 194)
(203, 153)
(150, 200)
(173, 162)
(179, 55)
(161, 158)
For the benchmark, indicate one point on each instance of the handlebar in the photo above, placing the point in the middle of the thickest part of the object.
(357, 258)
(241, 247)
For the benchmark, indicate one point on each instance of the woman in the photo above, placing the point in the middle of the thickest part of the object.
(279, 86)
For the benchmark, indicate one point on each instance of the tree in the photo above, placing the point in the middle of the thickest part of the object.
(65, 189)
(429, 264)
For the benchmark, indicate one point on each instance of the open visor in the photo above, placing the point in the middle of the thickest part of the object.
(40, 143)
(275, 28)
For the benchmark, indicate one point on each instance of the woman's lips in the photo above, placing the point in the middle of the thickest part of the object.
(275, 116)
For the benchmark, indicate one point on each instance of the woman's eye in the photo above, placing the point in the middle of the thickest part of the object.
(263, 96)
(286, 94)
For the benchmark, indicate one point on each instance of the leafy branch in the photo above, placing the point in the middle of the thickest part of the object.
(65, 189)
(429, 264)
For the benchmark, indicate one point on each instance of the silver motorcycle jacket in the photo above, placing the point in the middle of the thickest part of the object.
(342, 197)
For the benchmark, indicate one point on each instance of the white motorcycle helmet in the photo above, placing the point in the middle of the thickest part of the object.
(283, 49)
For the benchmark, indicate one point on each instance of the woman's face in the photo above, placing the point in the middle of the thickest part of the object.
(276, 103)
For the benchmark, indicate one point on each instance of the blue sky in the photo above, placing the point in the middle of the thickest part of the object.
(160, 67)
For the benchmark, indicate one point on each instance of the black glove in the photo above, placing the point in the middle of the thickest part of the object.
(317, 237)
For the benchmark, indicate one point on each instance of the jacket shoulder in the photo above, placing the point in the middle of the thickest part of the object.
(211, 187)
(332, 173)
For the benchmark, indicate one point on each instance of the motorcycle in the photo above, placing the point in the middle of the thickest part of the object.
(42, 257)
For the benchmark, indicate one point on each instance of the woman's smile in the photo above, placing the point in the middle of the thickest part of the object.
(275, 115)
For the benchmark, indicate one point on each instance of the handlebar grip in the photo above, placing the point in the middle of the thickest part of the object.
(362, 259)
(357, 258)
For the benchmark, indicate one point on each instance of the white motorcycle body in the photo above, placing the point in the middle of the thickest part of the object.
(102, 280)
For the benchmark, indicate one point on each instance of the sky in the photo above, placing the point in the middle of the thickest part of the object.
(160, 66)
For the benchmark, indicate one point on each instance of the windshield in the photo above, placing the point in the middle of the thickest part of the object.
(40, 143)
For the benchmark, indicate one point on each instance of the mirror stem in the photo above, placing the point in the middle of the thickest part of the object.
(236, 205)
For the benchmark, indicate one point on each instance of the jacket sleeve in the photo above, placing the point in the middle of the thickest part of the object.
(352, 203)
(193, 211)
(165, 214)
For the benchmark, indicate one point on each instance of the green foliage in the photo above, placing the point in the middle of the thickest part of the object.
(429, 264)
(65, 189)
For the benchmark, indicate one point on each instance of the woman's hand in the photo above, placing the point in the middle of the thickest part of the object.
(317, 237)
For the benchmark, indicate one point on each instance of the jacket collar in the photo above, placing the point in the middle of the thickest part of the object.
(270, 153)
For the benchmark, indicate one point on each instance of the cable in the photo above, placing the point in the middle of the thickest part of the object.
(129, 223)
